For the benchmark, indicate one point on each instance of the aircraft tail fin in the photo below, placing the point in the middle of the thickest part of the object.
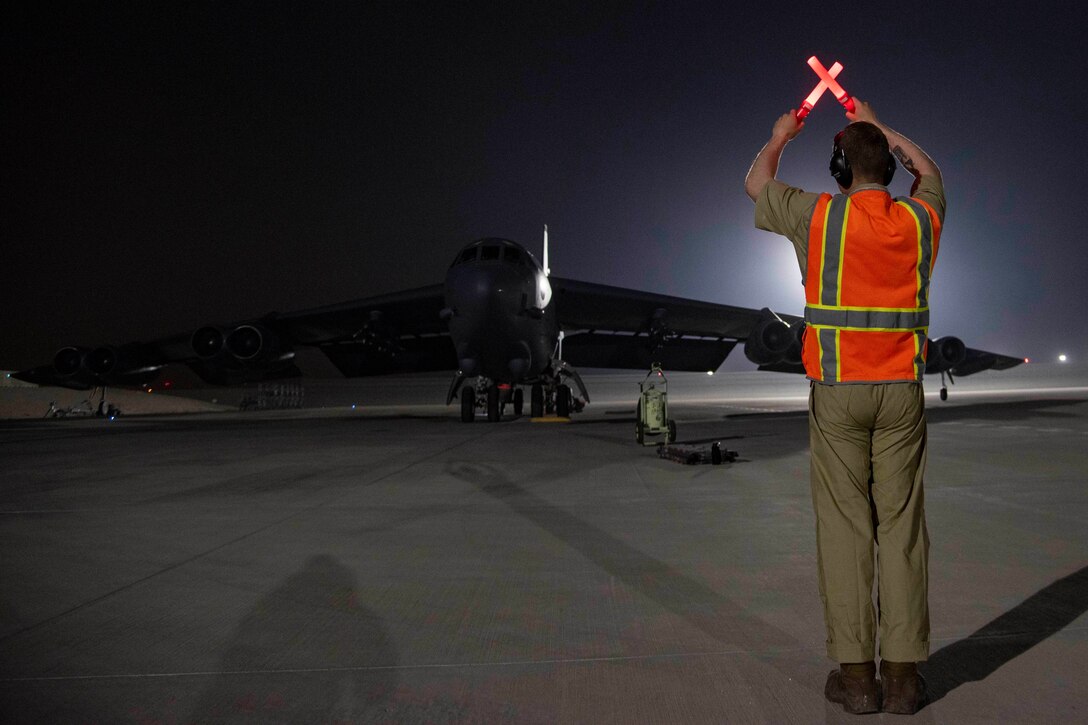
(547, 270)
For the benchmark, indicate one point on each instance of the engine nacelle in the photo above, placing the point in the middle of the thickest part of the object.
(945, 353)
(104, 366)
(69, 361)
(102, 360)
(207, 342)
(252, 343)
(121, 365)
(251, 351)
(773, 341)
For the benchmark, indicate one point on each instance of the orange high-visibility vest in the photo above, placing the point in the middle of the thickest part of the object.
(867, 287)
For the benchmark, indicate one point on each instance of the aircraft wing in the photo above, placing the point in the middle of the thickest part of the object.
(974, 361)
(614, 327)
(398, 332)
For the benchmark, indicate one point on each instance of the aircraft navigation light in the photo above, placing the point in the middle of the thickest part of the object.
(1062, 357)
(709, 372)
(809, 103)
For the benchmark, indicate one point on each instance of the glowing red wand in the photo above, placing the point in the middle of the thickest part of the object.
(809, 103)
(840, 95)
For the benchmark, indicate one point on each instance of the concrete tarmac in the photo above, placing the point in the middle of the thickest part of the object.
(391, 564)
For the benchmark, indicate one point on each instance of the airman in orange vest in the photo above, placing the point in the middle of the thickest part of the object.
(866, 260)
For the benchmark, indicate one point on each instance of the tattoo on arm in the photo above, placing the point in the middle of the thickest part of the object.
(900, 154)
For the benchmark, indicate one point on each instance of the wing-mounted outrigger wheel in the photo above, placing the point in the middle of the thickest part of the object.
(944, 388)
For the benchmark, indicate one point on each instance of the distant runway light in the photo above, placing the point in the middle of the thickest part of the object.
(1062, 358)
(709, 372)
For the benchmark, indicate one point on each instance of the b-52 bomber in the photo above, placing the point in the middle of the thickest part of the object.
(499, 321)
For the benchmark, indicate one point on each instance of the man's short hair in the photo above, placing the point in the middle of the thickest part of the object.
(866, 147)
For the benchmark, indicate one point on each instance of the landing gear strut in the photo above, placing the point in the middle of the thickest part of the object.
(536, 400)
(944, 388)
(489, 396)
(549, 393)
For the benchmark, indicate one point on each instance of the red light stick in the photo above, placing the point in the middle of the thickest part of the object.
(809, 103)
(840, 95)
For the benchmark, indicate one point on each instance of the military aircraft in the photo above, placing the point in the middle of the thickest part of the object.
(500, 320)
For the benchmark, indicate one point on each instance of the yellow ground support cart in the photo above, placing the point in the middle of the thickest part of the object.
(652, 413)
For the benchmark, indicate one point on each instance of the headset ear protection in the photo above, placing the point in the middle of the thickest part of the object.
(840, 166)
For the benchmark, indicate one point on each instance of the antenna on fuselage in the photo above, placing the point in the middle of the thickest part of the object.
(547, 270)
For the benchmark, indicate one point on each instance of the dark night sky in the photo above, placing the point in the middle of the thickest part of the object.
(170, 165)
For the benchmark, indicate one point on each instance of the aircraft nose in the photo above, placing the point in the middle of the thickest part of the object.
(486, 289)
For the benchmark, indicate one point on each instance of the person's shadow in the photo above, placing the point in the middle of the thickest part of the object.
(1008, 636)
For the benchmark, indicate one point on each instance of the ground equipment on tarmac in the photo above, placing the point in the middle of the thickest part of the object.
(652, 413)
(692, 455)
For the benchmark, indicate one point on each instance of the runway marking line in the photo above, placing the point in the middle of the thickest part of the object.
(435, 665)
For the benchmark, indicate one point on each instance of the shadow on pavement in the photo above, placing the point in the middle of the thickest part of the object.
(1038, 617)
(1003, 411)
(718, 617)
(306, 652)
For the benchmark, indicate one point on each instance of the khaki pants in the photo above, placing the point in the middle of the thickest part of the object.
(868, 457)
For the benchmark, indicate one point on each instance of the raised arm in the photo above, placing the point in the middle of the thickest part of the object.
(910, 154)
(765, 166)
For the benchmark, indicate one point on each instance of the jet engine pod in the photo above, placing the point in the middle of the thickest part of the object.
(68, 361)
(207, 342)
(770, 341)
(125, 365)
(102, 360)
(793, 355)
(945, 353)
(254, 343)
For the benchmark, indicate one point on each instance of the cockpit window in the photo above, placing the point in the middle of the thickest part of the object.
(467, 255)
(489, 252)
(511, 255)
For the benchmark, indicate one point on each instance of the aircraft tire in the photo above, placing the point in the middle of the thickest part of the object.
(519, 401)
(672, 432)
(640, 432)
(562, 401)
(468, 404)
(536, 400)
(944, 393)
(494, 412)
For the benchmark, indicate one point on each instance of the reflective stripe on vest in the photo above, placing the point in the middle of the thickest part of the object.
(925, 245)
(828, 317)
(890, 319)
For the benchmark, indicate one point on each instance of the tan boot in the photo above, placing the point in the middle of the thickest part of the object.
(857, 695)
(905, 690)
